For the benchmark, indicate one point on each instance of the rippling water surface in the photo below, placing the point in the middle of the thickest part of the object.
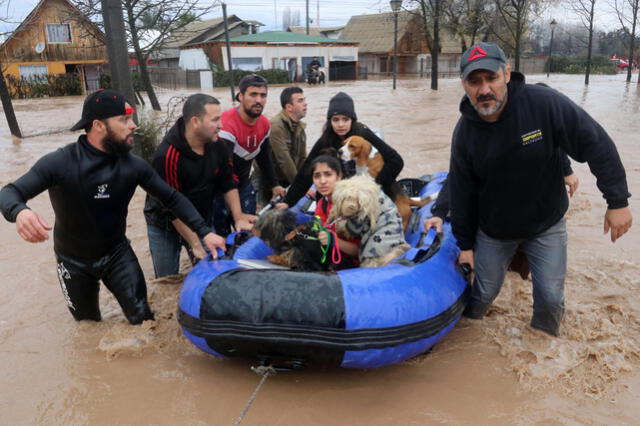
(498, 371)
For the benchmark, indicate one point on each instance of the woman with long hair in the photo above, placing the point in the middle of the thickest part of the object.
(342, 123)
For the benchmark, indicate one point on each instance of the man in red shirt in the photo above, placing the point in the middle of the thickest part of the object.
(247, 132)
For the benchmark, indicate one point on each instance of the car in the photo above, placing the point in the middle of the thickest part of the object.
(622, 64)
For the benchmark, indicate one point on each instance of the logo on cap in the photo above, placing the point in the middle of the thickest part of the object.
(477, 53)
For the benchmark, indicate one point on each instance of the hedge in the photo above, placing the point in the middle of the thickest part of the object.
(40, 86)
(577, 64)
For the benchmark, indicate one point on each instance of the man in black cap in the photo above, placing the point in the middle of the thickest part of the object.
(90, 184)
(247, 132)
(506, 180)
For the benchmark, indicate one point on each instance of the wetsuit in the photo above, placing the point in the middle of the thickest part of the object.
(198, 177)
(90, 192)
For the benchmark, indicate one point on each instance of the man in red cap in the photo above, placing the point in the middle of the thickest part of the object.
(506, 180)
(90, 184)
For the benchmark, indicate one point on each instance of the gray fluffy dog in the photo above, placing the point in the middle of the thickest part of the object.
(361, 209)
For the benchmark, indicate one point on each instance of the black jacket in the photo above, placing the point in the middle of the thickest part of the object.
(198, 177)
(507, 177)
(90, 192)
(441, 207)
(393, 163)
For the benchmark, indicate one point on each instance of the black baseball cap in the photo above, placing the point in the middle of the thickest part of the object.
(250, 80)
(482, 56)
(100, 105)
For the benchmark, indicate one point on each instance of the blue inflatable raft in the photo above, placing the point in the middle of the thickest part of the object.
(356, 318)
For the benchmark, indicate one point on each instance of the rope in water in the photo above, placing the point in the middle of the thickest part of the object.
(264, 371)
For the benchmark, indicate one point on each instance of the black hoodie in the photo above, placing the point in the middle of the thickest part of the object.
(198, 177)
(506, 177)
(393, 162)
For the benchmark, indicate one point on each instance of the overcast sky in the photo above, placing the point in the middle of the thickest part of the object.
(269, 12)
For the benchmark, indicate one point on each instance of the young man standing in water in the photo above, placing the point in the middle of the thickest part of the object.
(90, 184)
(506, 181)
(191, 160)
(288, 141)
(247, 132)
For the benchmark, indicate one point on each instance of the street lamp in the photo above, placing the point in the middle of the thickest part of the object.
(395, 7)
(553, 24)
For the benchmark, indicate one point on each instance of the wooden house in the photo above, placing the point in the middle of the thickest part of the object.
(55, 38)
(375, 35)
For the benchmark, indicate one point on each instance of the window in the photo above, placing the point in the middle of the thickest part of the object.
(247, 64)
(59, 33)
(280, 63)
(30, 71)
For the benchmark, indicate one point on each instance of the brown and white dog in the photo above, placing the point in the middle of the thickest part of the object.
(369, 161)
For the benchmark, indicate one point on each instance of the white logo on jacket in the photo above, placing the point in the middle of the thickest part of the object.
(63, 274)
(102, 189)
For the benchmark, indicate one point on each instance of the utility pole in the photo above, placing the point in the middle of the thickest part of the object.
(318, 11)
(117, 49)
(307, 2)
(226, 39)
(275, 11)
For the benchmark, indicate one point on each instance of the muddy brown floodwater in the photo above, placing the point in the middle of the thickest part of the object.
(497, 371)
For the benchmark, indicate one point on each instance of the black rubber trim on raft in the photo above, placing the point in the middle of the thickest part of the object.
(328, 338)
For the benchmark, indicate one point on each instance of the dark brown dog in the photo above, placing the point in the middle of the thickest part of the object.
(359, 149)
(295, 246)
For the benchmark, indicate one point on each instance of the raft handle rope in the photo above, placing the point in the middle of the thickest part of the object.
(336, 256)
(262, 370)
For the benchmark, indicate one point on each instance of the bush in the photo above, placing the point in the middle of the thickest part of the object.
(272, 76)
(147, 136)
(39, 86)
(577, 64)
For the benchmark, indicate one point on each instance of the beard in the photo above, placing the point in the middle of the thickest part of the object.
(486, 111)
(115, 146)
(250, 112)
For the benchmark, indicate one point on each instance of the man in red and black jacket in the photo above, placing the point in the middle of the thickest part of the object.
(193, 161)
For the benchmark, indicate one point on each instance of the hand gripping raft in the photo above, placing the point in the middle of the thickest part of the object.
(356, 318)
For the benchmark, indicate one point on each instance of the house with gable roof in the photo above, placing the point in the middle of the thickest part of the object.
(168, 55)
(374, 32)
(56, 38)
(279, 50)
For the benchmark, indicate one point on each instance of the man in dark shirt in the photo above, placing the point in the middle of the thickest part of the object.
(192, 160)
(90, 184)
(506, 180)
(288, 141)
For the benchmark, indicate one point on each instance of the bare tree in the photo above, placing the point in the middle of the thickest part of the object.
(627, 13)
(466, 19)
(514, 15)
(5, 96)
(150, 23)
(584, 9)
(430, 12)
